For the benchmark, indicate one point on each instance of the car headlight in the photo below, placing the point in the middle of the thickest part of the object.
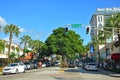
(12, 68)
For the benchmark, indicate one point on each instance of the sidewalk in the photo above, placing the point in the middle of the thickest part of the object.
(112, 74)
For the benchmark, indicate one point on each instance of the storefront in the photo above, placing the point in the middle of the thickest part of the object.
(115, 56)
(116, 59)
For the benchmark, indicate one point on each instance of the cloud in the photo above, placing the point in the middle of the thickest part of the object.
(39, 35)
(22, 30)
(2, 21)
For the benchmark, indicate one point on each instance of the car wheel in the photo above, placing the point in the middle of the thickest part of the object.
(24, 71)
(3, 74)
(16, 71)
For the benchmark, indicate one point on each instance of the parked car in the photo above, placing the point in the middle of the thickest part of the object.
(71, 64)
(56, 63)
(90, 66)
(48, 64)
(29, 65)
(43, 64)
(14, 68)
(79, 64)
(35, 64)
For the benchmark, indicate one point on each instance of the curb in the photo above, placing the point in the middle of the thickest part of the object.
(112, 74)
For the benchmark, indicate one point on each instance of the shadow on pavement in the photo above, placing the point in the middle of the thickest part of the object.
(99, 71)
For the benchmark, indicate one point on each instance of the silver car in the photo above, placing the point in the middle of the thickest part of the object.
(90, 66)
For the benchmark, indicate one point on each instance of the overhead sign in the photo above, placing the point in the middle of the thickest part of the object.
(76, 25)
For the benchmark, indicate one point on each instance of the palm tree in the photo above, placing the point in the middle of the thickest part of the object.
(36, 45)
(96, 42)
(103, 36)
(25, 40)
(12, 30)
(17, 49)
(114, 23)
(2, 46)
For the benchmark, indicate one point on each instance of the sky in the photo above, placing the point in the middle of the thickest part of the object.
(38, 18)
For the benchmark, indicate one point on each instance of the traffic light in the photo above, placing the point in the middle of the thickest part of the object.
(87, 30)
(66, 30)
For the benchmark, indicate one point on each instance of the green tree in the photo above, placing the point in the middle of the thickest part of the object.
(36, 45)
(111, 23)
(18, 49)
(25, 40)
(102, 37)
(12, 55)
(12, 30)
(64, 44)
(2, 46)
(43, 51)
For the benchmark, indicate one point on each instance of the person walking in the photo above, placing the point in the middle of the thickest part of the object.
(40, 64)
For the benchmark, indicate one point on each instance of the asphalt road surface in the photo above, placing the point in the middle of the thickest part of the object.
(55, 73)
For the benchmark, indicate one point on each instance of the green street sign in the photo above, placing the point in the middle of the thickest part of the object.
(76, 25)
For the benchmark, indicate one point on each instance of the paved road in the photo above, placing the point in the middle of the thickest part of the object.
(59, 74)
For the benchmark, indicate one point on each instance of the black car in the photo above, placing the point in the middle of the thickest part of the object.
(71, 64)
(35, 64)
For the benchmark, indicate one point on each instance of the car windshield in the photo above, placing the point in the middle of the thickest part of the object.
(91, 63)
(13, 64)
(26, 63)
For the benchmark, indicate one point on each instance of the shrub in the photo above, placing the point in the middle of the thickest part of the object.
(1, 69)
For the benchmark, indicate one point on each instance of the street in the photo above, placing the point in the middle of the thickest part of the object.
(56, 73)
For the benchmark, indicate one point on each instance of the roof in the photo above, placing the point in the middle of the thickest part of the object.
(107, 11)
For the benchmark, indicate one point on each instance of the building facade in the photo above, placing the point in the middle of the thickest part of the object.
(15, 48)
(96, 24)
(98, 19)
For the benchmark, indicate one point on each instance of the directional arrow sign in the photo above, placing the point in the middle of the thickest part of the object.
(76, 25)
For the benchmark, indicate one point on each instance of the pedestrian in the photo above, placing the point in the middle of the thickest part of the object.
(40, 64)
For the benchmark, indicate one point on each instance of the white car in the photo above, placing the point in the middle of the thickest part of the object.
(79, 64)
(90, 66)
(14, 68)
(43, 64)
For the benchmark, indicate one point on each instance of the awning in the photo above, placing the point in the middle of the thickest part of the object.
(115, 56)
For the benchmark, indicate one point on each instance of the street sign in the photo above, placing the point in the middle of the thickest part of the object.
(76, 25)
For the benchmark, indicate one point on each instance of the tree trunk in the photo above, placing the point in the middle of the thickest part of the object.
(10, 41)
(24, 48)
(106, 47)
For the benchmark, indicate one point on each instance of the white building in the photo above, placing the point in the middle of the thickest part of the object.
(98, 18)
(97, 23)
(14, 48)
